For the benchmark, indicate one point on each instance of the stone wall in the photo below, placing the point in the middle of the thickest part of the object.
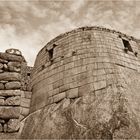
(81, 62)
(26, 94)
(14, 101)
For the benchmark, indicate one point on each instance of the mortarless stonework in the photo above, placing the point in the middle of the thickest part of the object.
(84, 61)
(12, 97)
(85, 85)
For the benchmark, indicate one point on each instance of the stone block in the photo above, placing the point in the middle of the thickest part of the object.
(13, 85)
(5, 67)
(101, 72)
(1, 66)
(26, 94)
(9, 112)
(3, 82)
(101, 77)
(11, 57)
(57, 84)
(99, 85)
(1, 97)
(14, 100)
(2, 121)
(14, 66)
(59, 97)
(3, 61)
(1, 101)
(24, 111)
(1, 127)
(25, 102)
(1, 86)
(10, 76)
(13, 125)
(64, 88)
(1, 71)
(21, 117)
(72, 93)
(50, 100)
(69, 65)
(5, 127)
(6, 93)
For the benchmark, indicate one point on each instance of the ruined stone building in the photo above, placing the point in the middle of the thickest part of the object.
(84, 85)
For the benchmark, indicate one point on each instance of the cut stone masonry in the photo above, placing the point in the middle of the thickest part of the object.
(79, 62)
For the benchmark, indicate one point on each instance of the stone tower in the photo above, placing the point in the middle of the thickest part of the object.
(85, 84)
(81, 62)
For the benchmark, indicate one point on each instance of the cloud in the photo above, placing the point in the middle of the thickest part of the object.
(29, 25)
(28, 45)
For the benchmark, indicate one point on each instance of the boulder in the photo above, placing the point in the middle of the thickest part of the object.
(7, 93)
(10, 76)
(14, 66)
(11, 57)
(9, 112)
(12, 101)
(13, 85)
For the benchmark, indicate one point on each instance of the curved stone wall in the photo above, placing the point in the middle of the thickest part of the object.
(80, 62)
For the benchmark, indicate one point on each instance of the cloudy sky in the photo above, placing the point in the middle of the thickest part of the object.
(29, 24)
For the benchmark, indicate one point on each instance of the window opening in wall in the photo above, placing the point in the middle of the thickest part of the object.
(43, 67)
(136, 54)
(127, 45)
(28, 74)
(50, 54)
(54, 45)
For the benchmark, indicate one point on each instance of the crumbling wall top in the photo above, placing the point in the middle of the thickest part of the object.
(14, 51)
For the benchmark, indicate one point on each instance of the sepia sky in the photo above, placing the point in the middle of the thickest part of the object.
(29, 25)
